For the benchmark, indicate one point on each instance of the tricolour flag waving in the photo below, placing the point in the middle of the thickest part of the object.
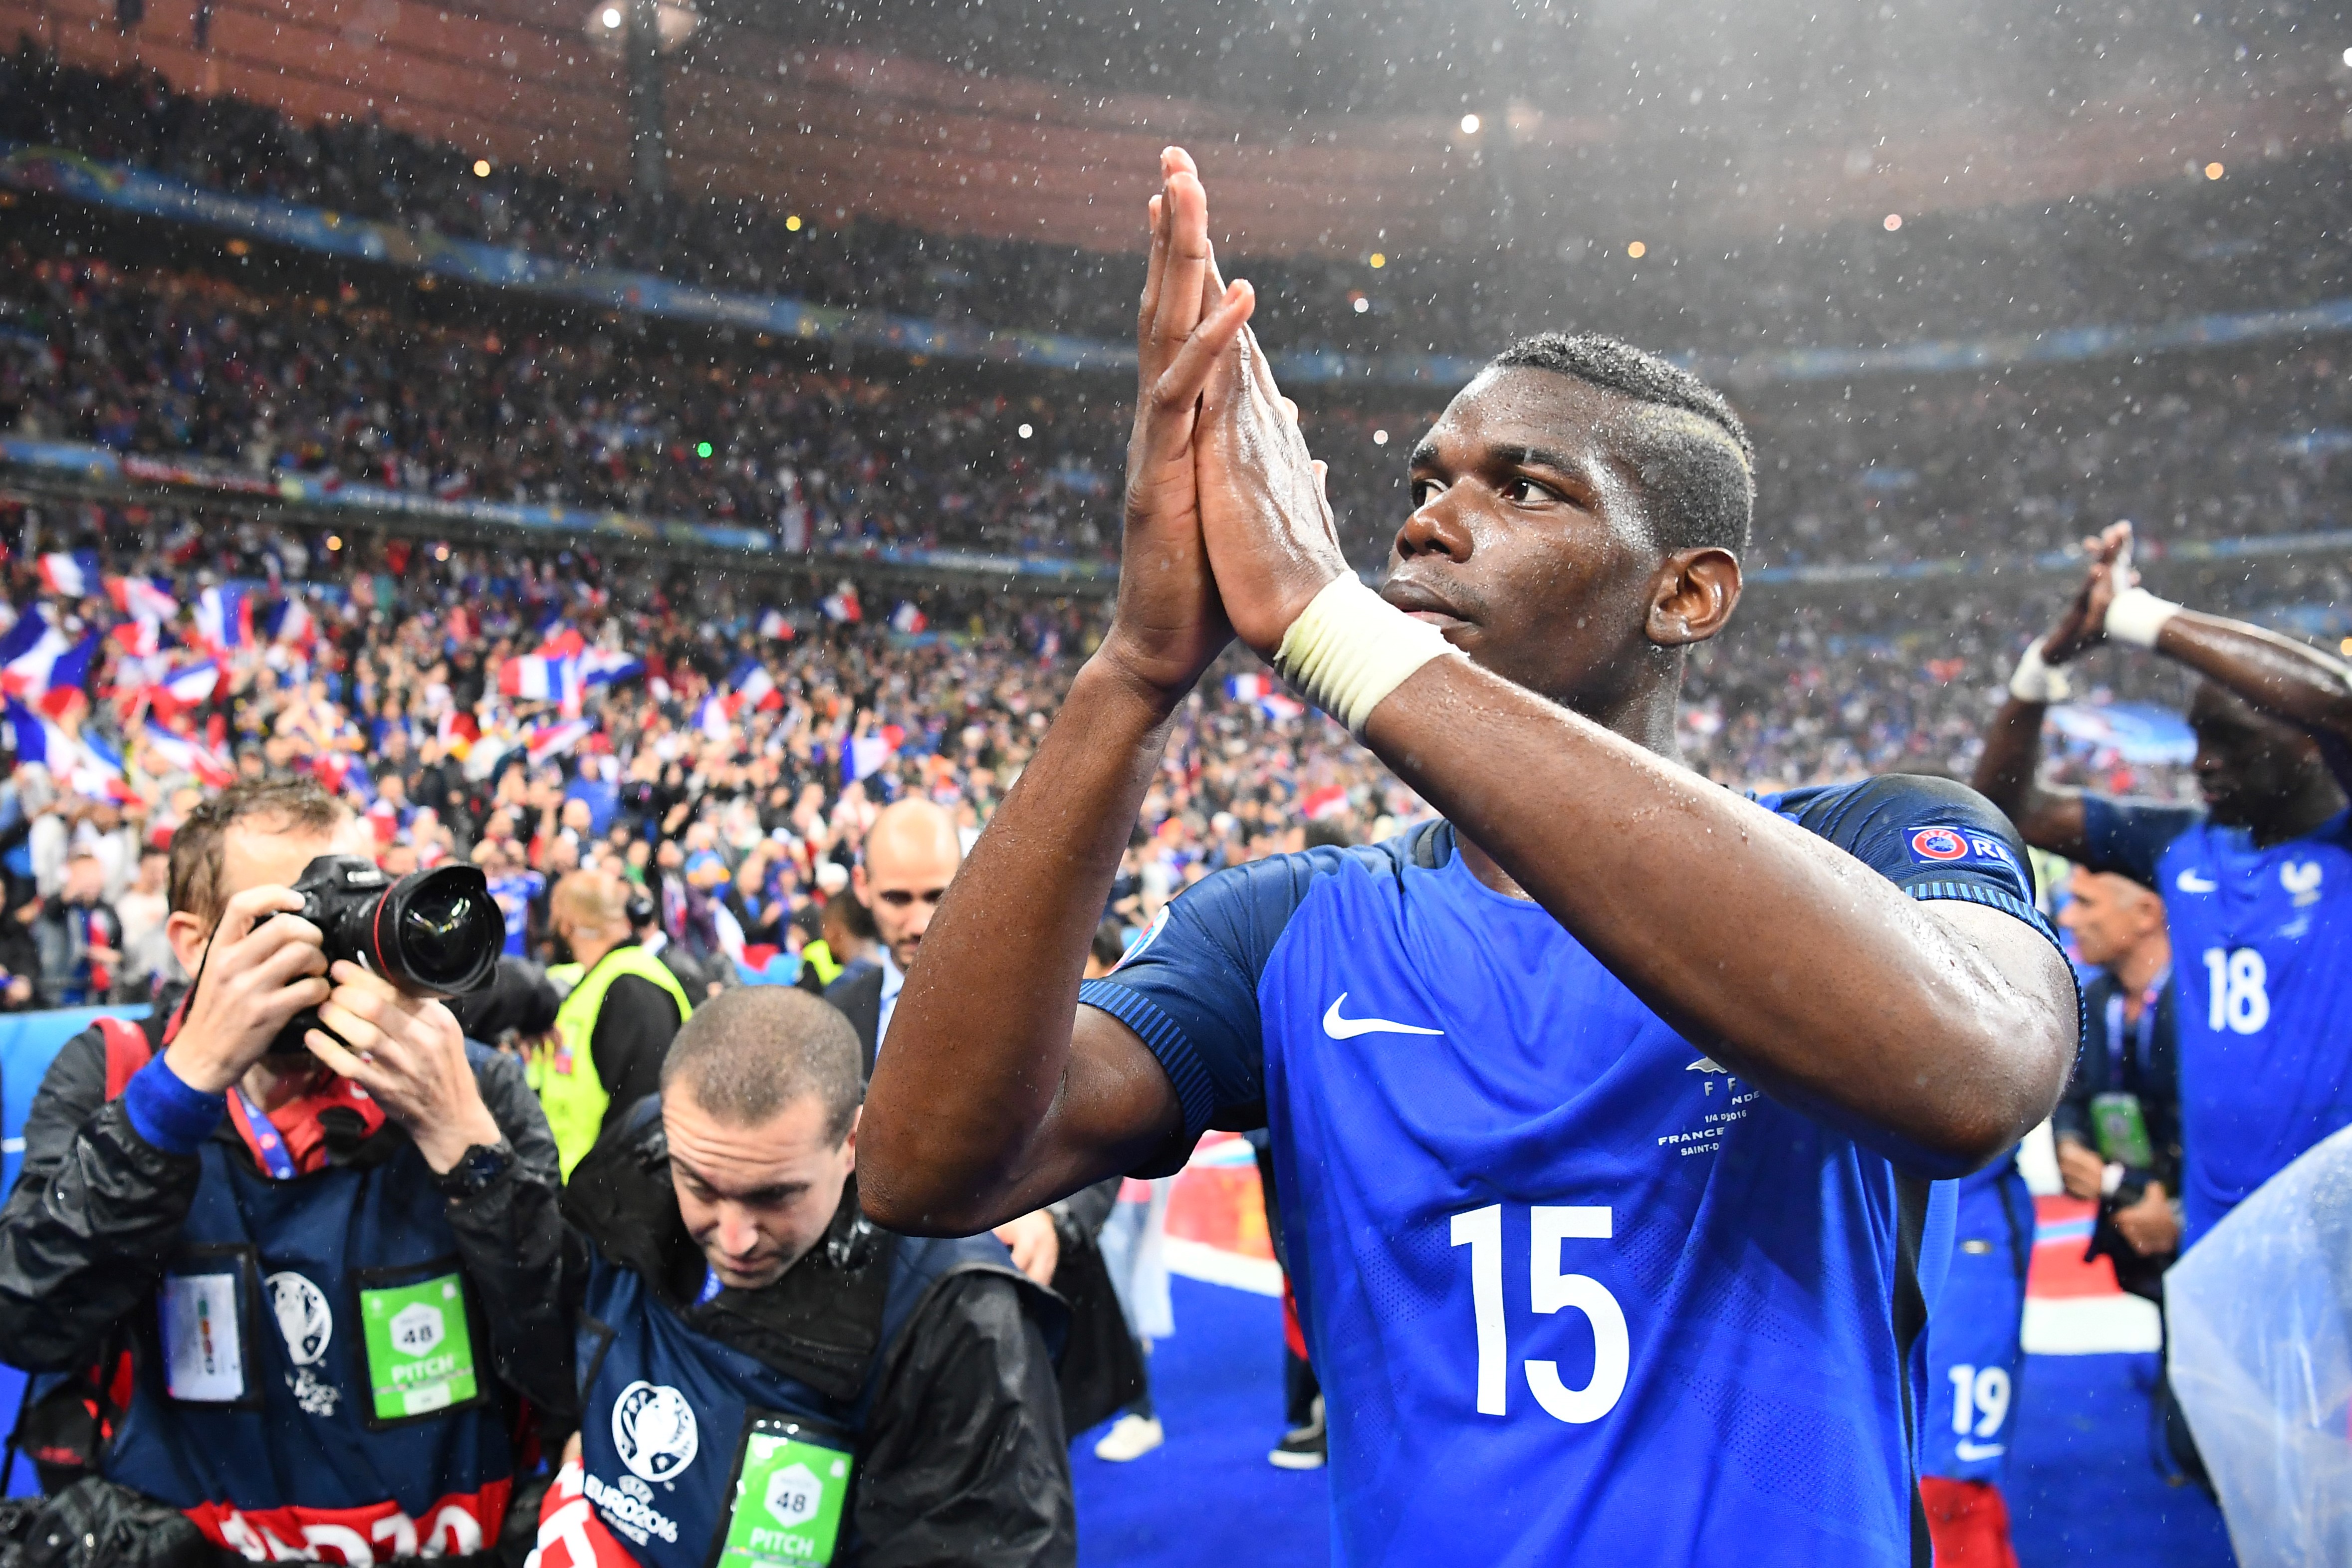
(774, 626)
(544, 741)
(180, 754)
(73, 574)
(28, 653)
(533, 677)
(141, 597)
(186, 686)
(754, 686)
(223, 619)
(842, 604)
(908, 618)
(602, 667)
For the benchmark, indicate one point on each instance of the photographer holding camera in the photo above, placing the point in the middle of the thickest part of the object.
(289, 1282)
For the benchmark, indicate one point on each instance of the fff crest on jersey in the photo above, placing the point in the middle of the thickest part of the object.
(653, 1431)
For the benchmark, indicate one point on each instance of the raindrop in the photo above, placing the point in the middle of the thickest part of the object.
(2213, 171)
(1379, 438)
(1025, 431)
(1470, 124)
(1894, 222)
(1637, 250)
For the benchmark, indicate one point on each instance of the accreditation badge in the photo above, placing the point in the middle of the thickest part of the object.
(791, 1487)
(420, 1347)
(204, 1342)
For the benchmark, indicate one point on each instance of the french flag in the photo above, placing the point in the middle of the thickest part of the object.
(1328, 801)
(533, 677)
(179, 754)
(141, 637)
(28, 654)
(291, 622)
(710, 717)
(341, 771)
(754, 687)
(549, 740)
(907, 619)
(35, 739)
(186, 686)
(562, 642)
(1275, 706)
(69, 574)
(69, 677)
(141, 597)
(98, 773)
(862, 756)
(599, 667)
(842, 604)
(1248, 688)
(224, 619)
(774, 626)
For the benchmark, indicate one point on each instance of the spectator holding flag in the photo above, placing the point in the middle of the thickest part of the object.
(80, 937)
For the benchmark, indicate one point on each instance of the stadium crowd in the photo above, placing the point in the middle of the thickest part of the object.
(182, 365)
(2256, 240)
(730, 761)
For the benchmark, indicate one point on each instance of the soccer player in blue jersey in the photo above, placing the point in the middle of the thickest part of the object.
(1606, 1108)
(2257, 885)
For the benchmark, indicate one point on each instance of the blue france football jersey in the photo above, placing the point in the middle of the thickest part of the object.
(1975, 1328)
(2261, 957)
(1576, 1294)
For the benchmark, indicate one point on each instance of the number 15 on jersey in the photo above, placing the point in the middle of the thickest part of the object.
(1550, 1288)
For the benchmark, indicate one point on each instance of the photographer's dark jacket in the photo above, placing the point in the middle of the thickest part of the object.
(921, 1367)
(135, 1271)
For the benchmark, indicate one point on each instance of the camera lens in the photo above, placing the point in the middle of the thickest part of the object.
(440, 931)
(438, 935)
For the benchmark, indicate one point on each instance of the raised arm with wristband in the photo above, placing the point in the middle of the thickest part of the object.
(2257, 883)
(1605, 1012)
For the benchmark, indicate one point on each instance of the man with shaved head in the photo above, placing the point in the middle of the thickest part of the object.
(616, 1021)
(911, 856)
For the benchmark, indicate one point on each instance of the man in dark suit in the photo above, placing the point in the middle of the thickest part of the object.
(911, 857)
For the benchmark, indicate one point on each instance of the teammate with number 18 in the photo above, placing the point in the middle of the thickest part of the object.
(2257, 885)
(1606, 1110)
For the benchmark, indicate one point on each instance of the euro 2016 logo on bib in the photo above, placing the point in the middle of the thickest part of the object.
(303, 1317)
(653, 1429)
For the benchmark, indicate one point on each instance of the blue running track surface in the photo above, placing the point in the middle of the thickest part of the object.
(2084, 1490)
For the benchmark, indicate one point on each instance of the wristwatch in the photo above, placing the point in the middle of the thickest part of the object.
(476, 1169)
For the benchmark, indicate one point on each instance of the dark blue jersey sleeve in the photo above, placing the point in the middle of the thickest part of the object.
(1930, 837)
(2131, 836)
(1189, 987)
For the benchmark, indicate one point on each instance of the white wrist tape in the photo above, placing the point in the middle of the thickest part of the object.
(2135, 616)
(2035, 682)
(1349, 648)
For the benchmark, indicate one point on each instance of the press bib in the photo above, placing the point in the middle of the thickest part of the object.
(791, 1486)
(420, 1350)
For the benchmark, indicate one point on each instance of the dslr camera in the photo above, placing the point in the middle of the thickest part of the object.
(433, 934)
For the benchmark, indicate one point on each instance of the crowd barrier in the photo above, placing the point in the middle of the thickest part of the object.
(28, 1041)
(126, 188)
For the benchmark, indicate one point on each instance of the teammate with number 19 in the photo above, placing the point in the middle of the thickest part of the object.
(2257, 886)
(1608, 1110)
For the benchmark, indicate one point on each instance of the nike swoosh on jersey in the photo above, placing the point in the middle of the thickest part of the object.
(1339, 1028)
(2189, 881)
(1967, 1450)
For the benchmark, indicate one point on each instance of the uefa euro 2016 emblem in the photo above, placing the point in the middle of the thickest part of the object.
(653, 1429)
(303, 1317)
